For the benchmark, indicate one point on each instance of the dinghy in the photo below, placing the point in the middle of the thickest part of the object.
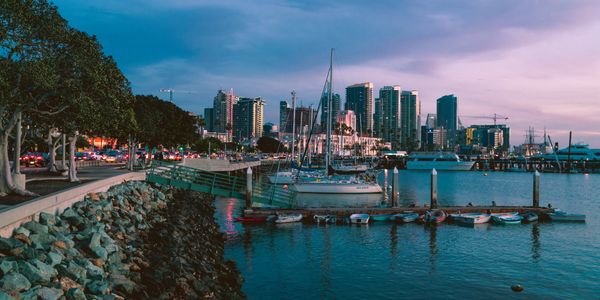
(507, 219)
(289, 218)
(250, 219)
(529, 217)
(562, 216)
(382, 217)
(472, 219)
(406, 217)
(359, 218)
(435, 216)
(331, 219)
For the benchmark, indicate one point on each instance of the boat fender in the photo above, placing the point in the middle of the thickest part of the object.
(285, 186)
(517, 288)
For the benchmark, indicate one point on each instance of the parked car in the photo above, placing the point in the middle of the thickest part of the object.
(83, 156)
(34, 159)
(114, 156)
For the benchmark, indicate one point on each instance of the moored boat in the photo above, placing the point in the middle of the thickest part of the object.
(382, 217)
(441, 161)
(434, 216)
(288, 218)
(559, 215)
(507, 219)
(406, 217)
(359, 218)
(325, 219)
(529, 217)
(457, 216)
(475, 219)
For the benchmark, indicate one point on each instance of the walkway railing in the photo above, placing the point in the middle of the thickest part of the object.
(218, 184)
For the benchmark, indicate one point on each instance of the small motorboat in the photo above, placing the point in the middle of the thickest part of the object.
(359, 218)
(458, 216)
(563, 216)
(288, 218)
(406, 217)
(472, 219)
(250, 219)
(325, 219)
(434, 216)
(529, 217)
(382, 217)
(507, 219)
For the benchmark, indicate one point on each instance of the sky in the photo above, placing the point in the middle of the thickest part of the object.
(535, 62)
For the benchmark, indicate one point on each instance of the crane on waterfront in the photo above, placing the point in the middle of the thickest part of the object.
(494, 117)
(171, 91)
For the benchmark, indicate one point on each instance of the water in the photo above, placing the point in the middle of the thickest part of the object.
(386, 261)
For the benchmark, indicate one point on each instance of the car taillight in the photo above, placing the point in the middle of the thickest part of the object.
(39, 157)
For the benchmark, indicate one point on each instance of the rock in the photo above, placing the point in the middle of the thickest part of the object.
(98, 287)
(72, 216)
(23, 238)
(42, 241)
(122, 284)
(55, 258)
(46, 293)
(47, 219)
(93, 271)
(98, 262)
(75, 294)
(36, 271)
(67, 284)
(5, 296)
(6, 245)
(14, 282)
(22, 230)
(100, 252)
(36, 227)
(60, 244)
(7, 266)
(93, 197)
(93, 241)
(73, 271)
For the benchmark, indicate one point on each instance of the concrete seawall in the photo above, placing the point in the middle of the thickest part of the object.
(54, 203)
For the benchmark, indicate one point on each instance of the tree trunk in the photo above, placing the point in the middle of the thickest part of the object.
(17, 154)
(72, 166)
(51, 154)
(5, 177)
(64, 152)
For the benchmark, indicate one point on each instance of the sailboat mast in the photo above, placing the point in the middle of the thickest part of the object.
(328, 154)
(293, 123)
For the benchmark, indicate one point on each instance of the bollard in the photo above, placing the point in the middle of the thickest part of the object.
(249, 188)
(536, 189)
(434, 190)
(395, 188)
(385, 186)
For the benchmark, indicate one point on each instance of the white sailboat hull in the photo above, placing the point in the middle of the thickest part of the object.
(440, 165)
(337, 188)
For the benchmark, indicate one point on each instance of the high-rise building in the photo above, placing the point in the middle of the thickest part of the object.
(447, 117)
(209, 119)
(248, 118)
(223, 110)
(495, 137)
(410, 120)
(304, 117)
(335, 108)
(359, 98)
(431, 121)
(386, 123)
(346, 117)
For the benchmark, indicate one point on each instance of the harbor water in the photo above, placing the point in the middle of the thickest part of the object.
(391, 261)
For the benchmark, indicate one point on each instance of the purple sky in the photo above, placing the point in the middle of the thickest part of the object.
(537, 62)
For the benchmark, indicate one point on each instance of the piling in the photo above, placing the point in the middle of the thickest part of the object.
(434, 190)
(249, 188)
(536, 189)
(385, 186)
(395, 188)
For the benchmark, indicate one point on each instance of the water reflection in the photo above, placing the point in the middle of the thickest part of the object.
(394, 241)
(247, 244)
(432, 245)
(326, 266)
(535, 242)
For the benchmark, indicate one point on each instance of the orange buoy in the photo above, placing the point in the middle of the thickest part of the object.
(517, 288)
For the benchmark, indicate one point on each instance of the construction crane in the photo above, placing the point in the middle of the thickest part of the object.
(495, 117)
(171, 91)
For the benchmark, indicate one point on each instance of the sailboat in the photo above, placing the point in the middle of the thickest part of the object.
(332, 184)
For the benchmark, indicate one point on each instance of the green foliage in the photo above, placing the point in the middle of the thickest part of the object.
(270, 145)
(201, 145)
(162, 122)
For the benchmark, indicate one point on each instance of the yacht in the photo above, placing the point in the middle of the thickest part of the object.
(578, 152)
(441, 161)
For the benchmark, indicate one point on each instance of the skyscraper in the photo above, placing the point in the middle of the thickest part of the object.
(410, 120)
(447, 116)
(386, 123)
(283, 115)
(335, 108)
(209, 119)
(359, 98)
(303, 117)
(223, 110)
(248, 118)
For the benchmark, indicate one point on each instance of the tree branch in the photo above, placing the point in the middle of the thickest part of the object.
(49, 113)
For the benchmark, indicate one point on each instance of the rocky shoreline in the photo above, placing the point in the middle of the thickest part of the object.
(135, 241)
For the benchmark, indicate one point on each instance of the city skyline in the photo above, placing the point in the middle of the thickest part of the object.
(532, 61)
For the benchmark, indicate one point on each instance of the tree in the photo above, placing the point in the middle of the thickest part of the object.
(202, 145)
(270, 145)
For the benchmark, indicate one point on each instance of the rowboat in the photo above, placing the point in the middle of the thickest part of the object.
(458, 216)
(382, 217)
(406, 217)
(359, 218)
(434, 216)
(289, 218)
(250, 219)
(529, 217)
(508, 219)
(325, 219)
(475, 219)
(562, 216)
